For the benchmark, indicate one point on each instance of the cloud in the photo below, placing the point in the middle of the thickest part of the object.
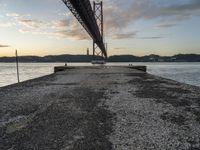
(12, 15)
(65, 28)
(2, 5)
(24, 21)
(150, 37)
(72, 34)
(61, 24)
(120, 48)
(4, 46)
(16, 15)
(34, 24)
(6, 24)
(24, 31)
(124, 35)
(70, 29)
(119, 18)
(121, 14)
(165, 25)
(186, 8)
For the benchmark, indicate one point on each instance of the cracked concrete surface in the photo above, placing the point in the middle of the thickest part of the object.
(100, 108)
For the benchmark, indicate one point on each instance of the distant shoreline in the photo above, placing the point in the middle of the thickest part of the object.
(114, 58)
(107, 62)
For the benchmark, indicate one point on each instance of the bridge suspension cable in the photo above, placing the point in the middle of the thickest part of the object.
(91, 20)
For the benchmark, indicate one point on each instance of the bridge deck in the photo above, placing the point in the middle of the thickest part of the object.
(100, 108)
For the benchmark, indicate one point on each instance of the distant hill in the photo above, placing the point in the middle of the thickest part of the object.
(115, 58)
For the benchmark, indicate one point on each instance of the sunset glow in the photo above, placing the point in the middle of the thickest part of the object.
(143, 27)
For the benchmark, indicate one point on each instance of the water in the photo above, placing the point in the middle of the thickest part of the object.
(183, 72)
(27, 71)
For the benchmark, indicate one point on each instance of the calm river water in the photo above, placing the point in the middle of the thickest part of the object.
(183, 72)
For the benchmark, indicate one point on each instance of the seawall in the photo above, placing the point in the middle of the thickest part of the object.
(100, 108)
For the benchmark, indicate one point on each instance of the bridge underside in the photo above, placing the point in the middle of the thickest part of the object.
(84, 13)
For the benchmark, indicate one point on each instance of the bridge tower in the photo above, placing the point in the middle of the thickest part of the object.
(91, 19)
(98, 14)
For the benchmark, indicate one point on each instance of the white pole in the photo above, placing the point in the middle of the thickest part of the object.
(17, 61)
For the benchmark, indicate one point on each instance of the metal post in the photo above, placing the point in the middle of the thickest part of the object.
(93, 50)
(102, 21)
(106, 48)
(17, 62)
(94, 10)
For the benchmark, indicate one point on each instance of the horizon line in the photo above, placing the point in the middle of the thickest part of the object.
(108, 56)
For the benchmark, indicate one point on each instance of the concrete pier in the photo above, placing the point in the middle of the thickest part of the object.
(100, 108)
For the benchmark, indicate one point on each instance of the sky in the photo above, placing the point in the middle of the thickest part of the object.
(136, 27)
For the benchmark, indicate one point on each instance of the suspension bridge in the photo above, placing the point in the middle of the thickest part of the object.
(91, 19)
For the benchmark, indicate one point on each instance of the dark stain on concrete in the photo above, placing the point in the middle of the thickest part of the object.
(183, 98)
(97, 124)
(148, 87)
(173, 93)
(195, 111)
(65, 84)
(174, 118)
(78, 122)
(23, 110)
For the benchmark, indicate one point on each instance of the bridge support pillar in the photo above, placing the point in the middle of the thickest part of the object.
(98, 13)
(97, 53)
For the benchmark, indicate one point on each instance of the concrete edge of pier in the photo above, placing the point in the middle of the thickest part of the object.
(64, 68)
